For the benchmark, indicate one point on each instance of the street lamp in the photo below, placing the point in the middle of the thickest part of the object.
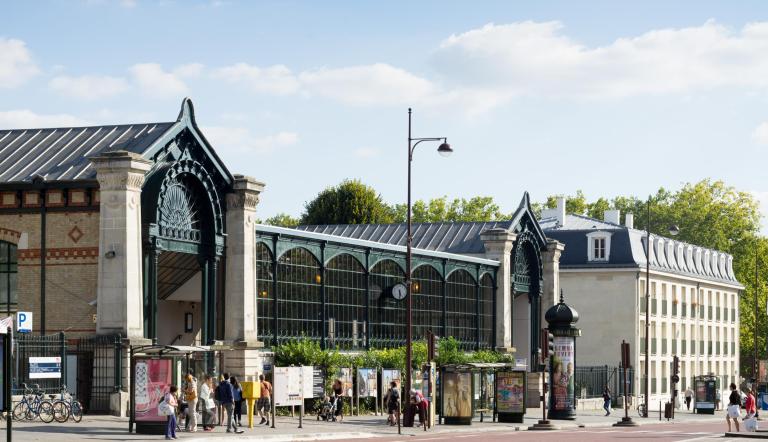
(673, 230)
(444, 150)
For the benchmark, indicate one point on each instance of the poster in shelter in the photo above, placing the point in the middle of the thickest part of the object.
(457, 394)
(153, 379)
(510, 392)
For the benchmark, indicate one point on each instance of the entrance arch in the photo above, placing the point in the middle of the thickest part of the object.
(526, 281)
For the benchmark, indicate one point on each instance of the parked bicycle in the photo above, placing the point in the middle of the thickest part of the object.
(67, 406)
(641, 405)
(33, 404)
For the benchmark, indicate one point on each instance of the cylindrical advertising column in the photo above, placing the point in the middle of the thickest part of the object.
(562, 363)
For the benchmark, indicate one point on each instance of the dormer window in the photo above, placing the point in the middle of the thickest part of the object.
(599, 244)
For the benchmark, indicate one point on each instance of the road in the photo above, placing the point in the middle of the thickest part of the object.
(680, 432)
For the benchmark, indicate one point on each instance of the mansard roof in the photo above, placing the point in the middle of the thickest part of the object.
(63, 153)
(450, 237)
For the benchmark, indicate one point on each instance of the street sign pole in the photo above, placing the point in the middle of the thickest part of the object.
(7, 364)
(626, 421)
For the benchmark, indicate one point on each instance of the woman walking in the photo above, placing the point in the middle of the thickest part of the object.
(338, 392)
(170, 406)
(208, 405)
(237, 391)
(190, 394)
(734, 408)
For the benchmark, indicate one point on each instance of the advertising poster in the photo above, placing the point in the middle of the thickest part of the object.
(288, 386)
(153, 380)
(510, 392)
(457, 392)
(389, 375)
(345, 376)
(562, 373)
(45, 367)
(367, 382)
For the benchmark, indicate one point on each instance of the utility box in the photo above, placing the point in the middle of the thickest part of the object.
(251, 389)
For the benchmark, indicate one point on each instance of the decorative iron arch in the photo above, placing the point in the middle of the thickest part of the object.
(527, 271)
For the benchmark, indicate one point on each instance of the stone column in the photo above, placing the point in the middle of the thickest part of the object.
(240, 290)
(498, 246)
(119, 295)
(551, 267)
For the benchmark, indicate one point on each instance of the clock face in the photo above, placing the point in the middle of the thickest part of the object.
(399, 291)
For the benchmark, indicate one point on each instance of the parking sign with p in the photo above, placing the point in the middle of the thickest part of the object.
(24, 322)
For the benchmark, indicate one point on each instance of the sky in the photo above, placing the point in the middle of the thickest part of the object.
(612, 98)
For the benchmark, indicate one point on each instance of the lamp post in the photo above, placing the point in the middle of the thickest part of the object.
(673, 230)
(444, 149)
(755, 363)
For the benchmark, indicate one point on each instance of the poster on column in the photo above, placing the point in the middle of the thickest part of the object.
(367, 383)
(153, 379)
(562, 373)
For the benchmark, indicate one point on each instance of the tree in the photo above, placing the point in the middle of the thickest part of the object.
(282, 220)
(479, 208)
(351, 202)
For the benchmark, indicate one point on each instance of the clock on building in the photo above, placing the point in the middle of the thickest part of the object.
(399, 291)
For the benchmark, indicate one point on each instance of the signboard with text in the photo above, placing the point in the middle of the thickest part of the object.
(45, 367)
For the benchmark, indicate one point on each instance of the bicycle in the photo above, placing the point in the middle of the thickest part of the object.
(33, 404)
(67, 406)
(641, 406)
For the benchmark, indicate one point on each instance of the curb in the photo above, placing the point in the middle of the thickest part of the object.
(293, 437)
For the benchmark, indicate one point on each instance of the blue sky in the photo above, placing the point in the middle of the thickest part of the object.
(612, 98)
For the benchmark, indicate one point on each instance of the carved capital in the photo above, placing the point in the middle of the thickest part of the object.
(120, 180)
(120, 170)
(246, 193)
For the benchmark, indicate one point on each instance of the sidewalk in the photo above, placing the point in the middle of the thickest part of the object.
(353, 427)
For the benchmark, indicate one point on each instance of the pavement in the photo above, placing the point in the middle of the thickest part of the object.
(365, 427)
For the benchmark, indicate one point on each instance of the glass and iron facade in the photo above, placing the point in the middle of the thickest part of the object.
(337, 291)
(8, 277)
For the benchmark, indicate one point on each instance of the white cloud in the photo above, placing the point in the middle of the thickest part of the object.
(16, 64)
(277, 80)
(241, 140)
(367, 152)
(533, 58)
(157, 83)
(190, 70)
(26, 119)
(760, 134)
(88, 87)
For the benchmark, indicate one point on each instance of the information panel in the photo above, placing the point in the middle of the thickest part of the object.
(288, 386)
(45, 367)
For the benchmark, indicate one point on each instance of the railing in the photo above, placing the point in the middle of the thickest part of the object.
(590, 382)
(29, 346)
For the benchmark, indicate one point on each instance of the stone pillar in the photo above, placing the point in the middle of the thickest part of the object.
(240, 290)
(498, 246)
(119, 295)
(551, 268)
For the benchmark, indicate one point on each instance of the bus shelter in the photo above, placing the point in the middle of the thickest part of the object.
(154, 368)
(705, 394)
(481, 388)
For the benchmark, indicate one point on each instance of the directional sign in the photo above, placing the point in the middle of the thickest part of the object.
(24, 322)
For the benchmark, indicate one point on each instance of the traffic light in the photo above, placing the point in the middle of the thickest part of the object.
(549, 347)
(675, 370)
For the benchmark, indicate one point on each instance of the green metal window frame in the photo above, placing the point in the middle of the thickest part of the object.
(428, 302)
(299, 302)
(265, 294)
(9, 271)
(346, 299)
(388, 319)
(487, 311)
(461, 308)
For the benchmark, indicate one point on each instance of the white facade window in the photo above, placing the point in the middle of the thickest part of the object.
(599, 244)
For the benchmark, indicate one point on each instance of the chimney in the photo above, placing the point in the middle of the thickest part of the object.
(629, 220)
(612, 216)
(561, 210)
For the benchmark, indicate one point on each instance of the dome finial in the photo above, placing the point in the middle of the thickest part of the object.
(562, 298)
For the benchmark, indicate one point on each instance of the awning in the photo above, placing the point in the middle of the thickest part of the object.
(169, 350)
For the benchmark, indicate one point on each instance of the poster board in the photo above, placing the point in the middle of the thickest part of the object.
(367, 382)
(345, 376)
(45, 367)
(152, 381)
(510, 395)
(318, 382)
(562, 374)
(457, 397)
(288, 386)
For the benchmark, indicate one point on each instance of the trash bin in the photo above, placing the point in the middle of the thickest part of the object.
(668, 410)
(408, 415)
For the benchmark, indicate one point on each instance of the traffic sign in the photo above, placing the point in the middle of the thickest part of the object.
(24, 322)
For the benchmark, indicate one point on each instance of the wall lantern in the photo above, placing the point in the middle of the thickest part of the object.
(188, 322)
(318, 279)
(263, 293)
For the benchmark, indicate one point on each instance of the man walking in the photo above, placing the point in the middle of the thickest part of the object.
(688, 398)
(607, 400)
(264, 405)
(227, 399)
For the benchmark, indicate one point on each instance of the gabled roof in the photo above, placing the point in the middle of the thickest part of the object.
(63, 154)
(451, 237)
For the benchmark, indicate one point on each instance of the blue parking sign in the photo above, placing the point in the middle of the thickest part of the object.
(24, 322)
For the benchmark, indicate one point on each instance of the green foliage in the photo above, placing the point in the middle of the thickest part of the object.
(351, 202)
(282, 220)
(479, 208)
(449, 352)
(576, 204)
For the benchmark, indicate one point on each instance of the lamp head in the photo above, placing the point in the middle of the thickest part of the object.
(445, 149)
(674, 230)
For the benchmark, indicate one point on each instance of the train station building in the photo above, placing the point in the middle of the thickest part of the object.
(141, 231)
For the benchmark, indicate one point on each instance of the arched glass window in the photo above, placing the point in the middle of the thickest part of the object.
(8, 277)
(387, 315)
(265, 297)
(298, 296)
(486, 311)
(345, 297)
(427, 301)
(461, 308)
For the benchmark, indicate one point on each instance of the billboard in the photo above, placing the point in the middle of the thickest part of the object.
(153, 379)
(562, 373)
(510, 392)
(457, 394)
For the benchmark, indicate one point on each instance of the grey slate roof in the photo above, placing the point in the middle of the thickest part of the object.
(458, 237)
(63, 153)
(627, 250)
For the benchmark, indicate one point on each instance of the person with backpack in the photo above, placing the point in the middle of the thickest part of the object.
(227, 400)
(607, 400)
(392, 400)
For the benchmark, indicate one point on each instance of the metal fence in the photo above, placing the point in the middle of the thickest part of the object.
(91, 367)
(589, 382)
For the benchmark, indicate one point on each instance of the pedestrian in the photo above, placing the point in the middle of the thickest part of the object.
(190, 395)
(265, 404)
(237, 391)
(607, 400)
(338, 393)
(227, 400)
(734, 408)
(420, 402)
(688, 398)
(169, 406)
(208, 404)
(750, 405)
(392, 399)
(718, 398)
